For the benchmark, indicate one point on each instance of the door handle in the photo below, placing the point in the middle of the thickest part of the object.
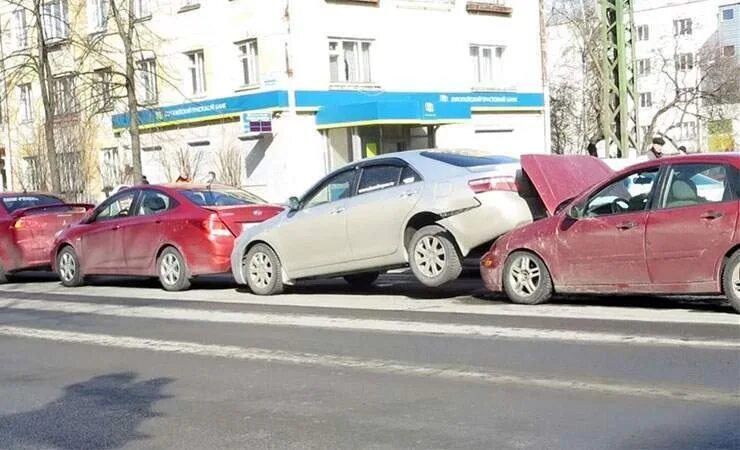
(711, 215)
(626, 226)
(116, 227)
(408, 194)
(339, 210)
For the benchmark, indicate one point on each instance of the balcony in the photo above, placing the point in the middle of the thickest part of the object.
(493, 7)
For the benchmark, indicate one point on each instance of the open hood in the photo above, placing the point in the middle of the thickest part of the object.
(557, 178)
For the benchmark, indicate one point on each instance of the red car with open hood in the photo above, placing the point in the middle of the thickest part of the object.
(668, 226)
(174, 232)
(28, 224)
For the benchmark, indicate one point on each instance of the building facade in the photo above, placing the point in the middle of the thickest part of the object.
(273, 95)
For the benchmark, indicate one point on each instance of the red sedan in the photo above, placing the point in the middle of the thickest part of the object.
(28, 223)
(668, 226)
(175, 232)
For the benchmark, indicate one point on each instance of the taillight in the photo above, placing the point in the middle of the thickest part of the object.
(497, 183)
(18, 224)
(215, 227)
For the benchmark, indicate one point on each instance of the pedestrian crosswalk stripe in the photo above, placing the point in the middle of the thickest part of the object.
(371, 365)
(359, 324)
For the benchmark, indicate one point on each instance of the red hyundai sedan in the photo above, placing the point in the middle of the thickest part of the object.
(175, 232)
(668, 226)
(28, 223)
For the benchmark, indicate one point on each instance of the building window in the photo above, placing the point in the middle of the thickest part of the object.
(487, 63)
(248, 56)
(69, 163)
(728, 14)
(20, 29)
(141, 9)
(646, 99)
(685, 61)
(102, 86)
(728, 51)
(349, 61)
(688, 130)
(196, 72)
(63, 91)
(97, 14)
(26, 106)
(55, 20)
(110, 167)
(643, 33)
(643, 67)
(34, 175)
(682, 27)
(148, 80)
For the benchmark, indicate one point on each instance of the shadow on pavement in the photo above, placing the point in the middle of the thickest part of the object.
(716, 430)
(103, 412)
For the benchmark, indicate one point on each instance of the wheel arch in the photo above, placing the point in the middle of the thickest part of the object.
(548, 267)
(164, 246)
(421, 220)
(723, 264)
(284, 273)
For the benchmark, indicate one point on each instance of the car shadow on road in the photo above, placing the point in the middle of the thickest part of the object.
(103, 412)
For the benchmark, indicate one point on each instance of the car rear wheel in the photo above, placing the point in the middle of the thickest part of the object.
(262, 271)
(433, 256)
(362, 280)
(173, 273)
(526, 279)
(731, 280)
(3, 275)
(68, 268)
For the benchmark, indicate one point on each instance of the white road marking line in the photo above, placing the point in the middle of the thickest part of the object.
(372, 365)
(356, 324)
(394, 303)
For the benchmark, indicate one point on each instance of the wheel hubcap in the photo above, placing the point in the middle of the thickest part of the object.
(524, 276)
(261, 270)
(170, 269)
(67, 267)
(736, 280)
(430, 256)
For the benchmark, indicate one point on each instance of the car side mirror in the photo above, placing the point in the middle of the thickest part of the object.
(294, 204)
(574, 212)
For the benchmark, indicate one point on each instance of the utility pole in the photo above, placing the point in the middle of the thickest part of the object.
(619, 92)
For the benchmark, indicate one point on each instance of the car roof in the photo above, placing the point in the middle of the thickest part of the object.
(697, 158)
(16, 194)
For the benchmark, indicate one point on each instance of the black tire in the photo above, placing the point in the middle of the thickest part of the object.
(262, 271)
(433, 256)
(3, 275)
(728, 284)
(362, 280)
(172, 271)
(69, 268)
(539, 288)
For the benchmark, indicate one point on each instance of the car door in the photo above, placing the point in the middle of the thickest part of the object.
(693, 225)
(143, 233)
(103, 242)
(605, 243)
(386, 194)
(315, 235)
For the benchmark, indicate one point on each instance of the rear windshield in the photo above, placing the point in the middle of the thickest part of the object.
(221, 197)
(15, 203)
(469, 158)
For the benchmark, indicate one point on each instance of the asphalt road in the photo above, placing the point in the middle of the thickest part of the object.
(122, 364)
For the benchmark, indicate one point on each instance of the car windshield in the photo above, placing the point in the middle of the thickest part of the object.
(14, 203)
(468, 158)
(221, 197)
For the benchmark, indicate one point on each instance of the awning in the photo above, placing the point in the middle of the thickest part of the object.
(390, 112)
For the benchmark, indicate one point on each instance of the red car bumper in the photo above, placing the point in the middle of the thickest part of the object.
(491, 271)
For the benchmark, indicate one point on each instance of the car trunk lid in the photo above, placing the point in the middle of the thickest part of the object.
(558, 178)
(36, 227)
(239, 218)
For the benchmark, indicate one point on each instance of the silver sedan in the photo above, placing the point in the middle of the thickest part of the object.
(424, 209)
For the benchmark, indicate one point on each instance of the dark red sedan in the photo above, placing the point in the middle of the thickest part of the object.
(668, 226)
(175, 232)
(28, 223)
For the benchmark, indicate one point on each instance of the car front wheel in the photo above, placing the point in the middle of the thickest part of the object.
(433, 256)
(731, 280)
(68, 268)
(173, 273)
(262, 271)
(526, 279)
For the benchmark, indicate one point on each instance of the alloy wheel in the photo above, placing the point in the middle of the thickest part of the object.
(261, 270)
(736, 280)
(170, 269)
(67, 266)
(524, 276)
(430, 256)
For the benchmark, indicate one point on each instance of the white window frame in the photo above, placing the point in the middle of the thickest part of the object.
(730, 53)
(644, 67)
(26, 102)
(196, 70)
(63, 95)
(142, 9)
(97, 15)
(683, 27)
(110, 166)
(147, 80)
(643, 32)
(646, 99)
(685, 61)
(362, 60)
(688, 130)
(20, 29)
(732, 14)
(491, 73)
(56, 20)
(103, 88)
(248, 54)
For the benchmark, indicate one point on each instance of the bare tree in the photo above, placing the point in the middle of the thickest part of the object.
(182, 160)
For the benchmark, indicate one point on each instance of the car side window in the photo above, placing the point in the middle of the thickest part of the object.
(695, 184)
(377, 178)
(628, 194)
(338, 187)
(153, 202)
(409, 175)
(117, 207)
